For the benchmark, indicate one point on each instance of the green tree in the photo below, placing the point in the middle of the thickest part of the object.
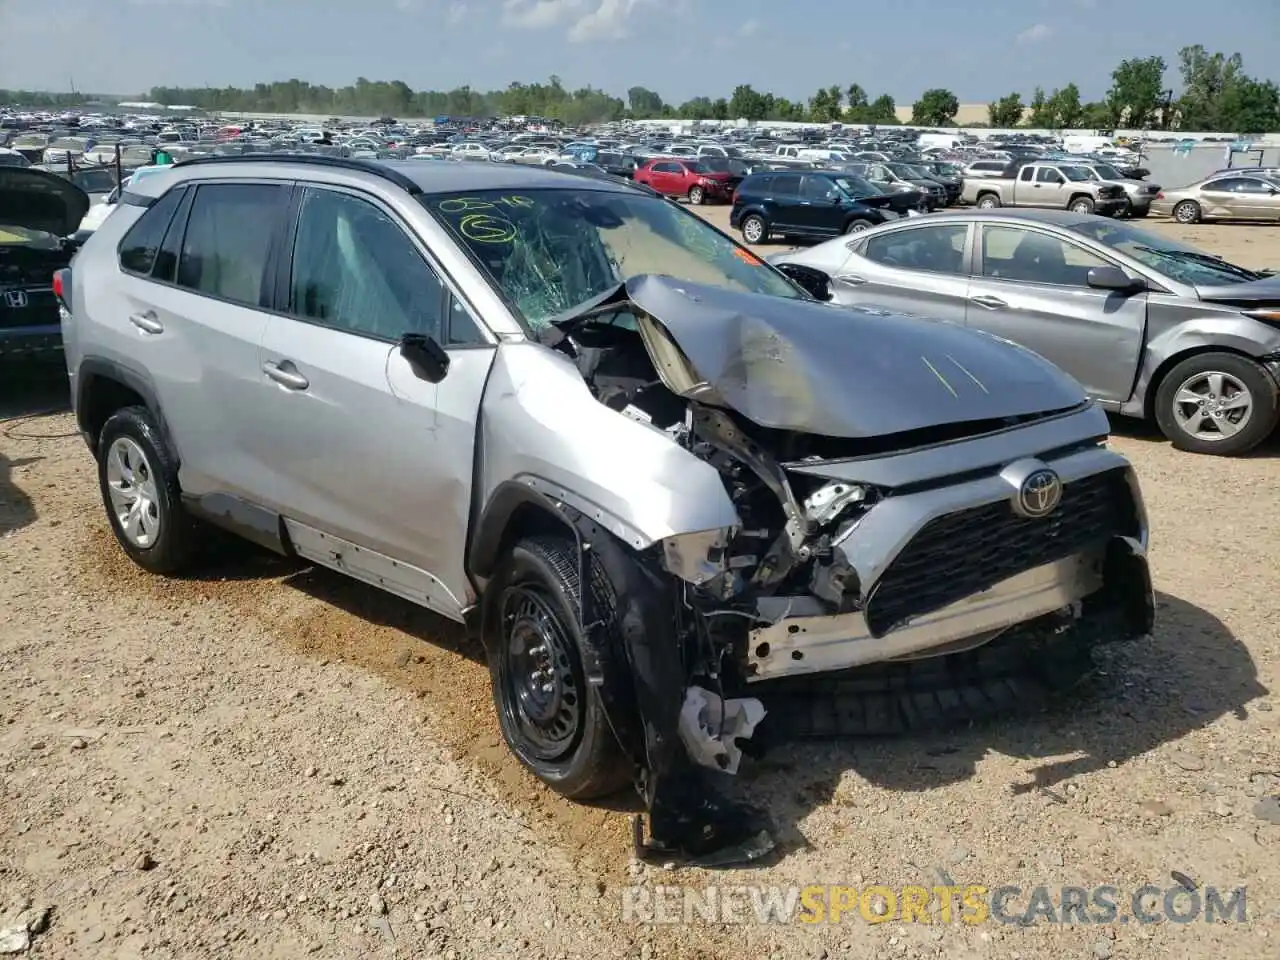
(720, 109)
(699, 108)
(1096, 116)
(824, 106)
(644, 103)
(935, 108)
(1007, 111)
(882, 110)
(1041, 115)
(1251, 106)
(857, 100)
(1137, 89)
(1066, 107)
(746, 103)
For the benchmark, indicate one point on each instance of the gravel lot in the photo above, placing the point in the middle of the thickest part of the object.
(266, 761)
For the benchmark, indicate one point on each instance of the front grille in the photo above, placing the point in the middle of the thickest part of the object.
(41, 310)
(960, 554)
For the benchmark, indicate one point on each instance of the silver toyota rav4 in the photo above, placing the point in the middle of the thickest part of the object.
(659, 479)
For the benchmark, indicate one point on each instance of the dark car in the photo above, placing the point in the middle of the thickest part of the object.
(813, 204)
(618, 164)
(737, 169)
(950, 175)
(38, 211)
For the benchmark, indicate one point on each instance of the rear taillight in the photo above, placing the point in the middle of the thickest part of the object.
(1159, 196)
(62, 286)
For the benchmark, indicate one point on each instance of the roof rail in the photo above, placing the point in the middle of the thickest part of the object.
(316, 159)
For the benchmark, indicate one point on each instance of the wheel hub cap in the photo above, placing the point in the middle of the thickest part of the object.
(1212, 406)
(131, 487)
(542, 690)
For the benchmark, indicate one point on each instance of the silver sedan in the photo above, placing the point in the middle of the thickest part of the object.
(1152, 328)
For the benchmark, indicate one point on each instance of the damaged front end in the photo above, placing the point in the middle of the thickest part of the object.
(893, 501)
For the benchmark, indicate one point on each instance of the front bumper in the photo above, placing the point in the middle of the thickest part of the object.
(1110, 207)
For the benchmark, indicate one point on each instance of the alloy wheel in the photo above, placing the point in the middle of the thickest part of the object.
(1212, 406)
(753, 230)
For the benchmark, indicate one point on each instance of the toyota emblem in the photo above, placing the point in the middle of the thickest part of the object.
(1039, 494)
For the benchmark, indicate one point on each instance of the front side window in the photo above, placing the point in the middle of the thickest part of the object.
(229, 232)
(141, 244)
(1012, 253)
(551, 252)
(817, 188)
(355, 269)
(937, 249)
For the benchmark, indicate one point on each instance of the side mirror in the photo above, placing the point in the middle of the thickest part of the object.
(427, 358)
(814, 282)
(1113, 278)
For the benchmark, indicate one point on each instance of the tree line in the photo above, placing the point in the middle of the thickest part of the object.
(1217, 95)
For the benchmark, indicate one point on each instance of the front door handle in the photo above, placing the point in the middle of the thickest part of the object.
(851, 279)
(990, 303)
(286, 374)
(147, 322)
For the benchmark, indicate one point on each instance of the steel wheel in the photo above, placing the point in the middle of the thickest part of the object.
(753, 230)
(131, 485)
(1212, 406)
(542, 692)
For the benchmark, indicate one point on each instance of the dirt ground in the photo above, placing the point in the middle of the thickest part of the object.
(266, 761)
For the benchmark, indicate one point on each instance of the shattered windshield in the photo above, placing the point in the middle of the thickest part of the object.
(1178, 261)
(550, 252)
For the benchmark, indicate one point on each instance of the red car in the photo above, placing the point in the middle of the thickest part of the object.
(687, 178)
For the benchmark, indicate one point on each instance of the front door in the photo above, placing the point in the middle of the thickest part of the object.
(1049, 188)
(366, 450)
(1032, 288)
(818, 212)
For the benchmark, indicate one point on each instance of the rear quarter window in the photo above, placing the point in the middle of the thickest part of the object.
(141, 244)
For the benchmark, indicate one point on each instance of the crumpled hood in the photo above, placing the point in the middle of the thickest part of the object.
(40, 200)
(1263, 290)
(836, 371)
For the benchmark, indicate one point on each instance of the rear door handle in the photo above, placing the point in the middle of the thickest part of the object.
(991, 303)
(286, 374)
(147, 322)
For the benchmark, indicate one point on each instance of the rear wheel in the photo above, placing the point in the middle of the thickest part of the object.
(754, 229)
(1139, 213)
(552, 720)
(1217, 403)
(988, 201)
(1188, 211)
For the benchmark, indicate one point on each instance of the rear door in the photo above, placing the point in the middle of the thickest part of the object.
(363, 449)
(195, 302)
(920, 270)
(1031, 287)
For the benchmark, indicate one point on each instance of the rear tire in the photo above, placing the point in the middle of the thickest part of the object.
(988, 201)
(1139, 213)
(754, 229)
(138, 478)
(551, 718)
(1188, 211)
(1186, 399)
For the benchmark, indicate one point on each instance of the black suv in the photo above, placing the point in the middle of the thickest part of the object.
(813, 204)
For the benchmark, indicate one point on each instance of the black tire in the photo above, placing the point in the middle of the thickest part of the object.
(172, 547)
(1263, 413)
(752, 222)
(1139, 213)
(1081, 205)
(857, 226)
(537, 582)
(988, 201)
(1188, 211)
(1125, 211)
(697, 196)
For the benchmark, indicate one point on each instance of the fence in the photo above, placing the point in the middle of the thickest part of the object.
(1173, 167)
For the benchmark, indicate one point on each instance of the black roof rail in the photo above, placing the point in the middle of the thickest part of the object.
(315, 159)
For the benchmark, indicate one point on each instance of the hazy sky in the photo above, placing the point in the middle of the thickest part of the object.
(979, 49)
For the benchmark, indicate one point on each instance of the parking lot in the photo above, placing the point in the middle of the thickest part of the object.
(270, 761)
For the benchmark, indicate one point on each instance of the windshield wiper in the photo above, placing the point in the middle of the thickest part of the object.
(1206, 259)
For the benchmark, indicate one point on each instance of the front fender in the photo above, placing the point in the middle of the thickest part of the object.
(1231, 332)
(541, 427)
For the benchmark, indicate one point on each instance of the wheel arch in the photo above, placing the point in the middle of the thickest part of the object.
(1173, 359)
(104, 386)
(514, 510)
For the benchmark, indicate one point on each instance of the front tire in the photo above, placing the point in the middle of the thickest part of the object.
(754, 229)
(553, 721)
(1188, 211)
(1082, 205)
(857, 226)
(138, 478)
(1217, 403)
(697, 197)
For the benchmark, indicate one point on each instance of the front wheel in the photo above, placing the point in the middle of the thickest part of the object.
(1082, 205)
(1139, 213)
(552, 720)
(1188, 211)
(1217, 403)
(754, 229)
(857, 226)
(697, 196)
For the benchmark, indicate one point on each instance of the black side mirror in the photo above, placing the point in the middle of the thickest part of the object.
(1113, 278)
(814, 282)
(427, 358)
